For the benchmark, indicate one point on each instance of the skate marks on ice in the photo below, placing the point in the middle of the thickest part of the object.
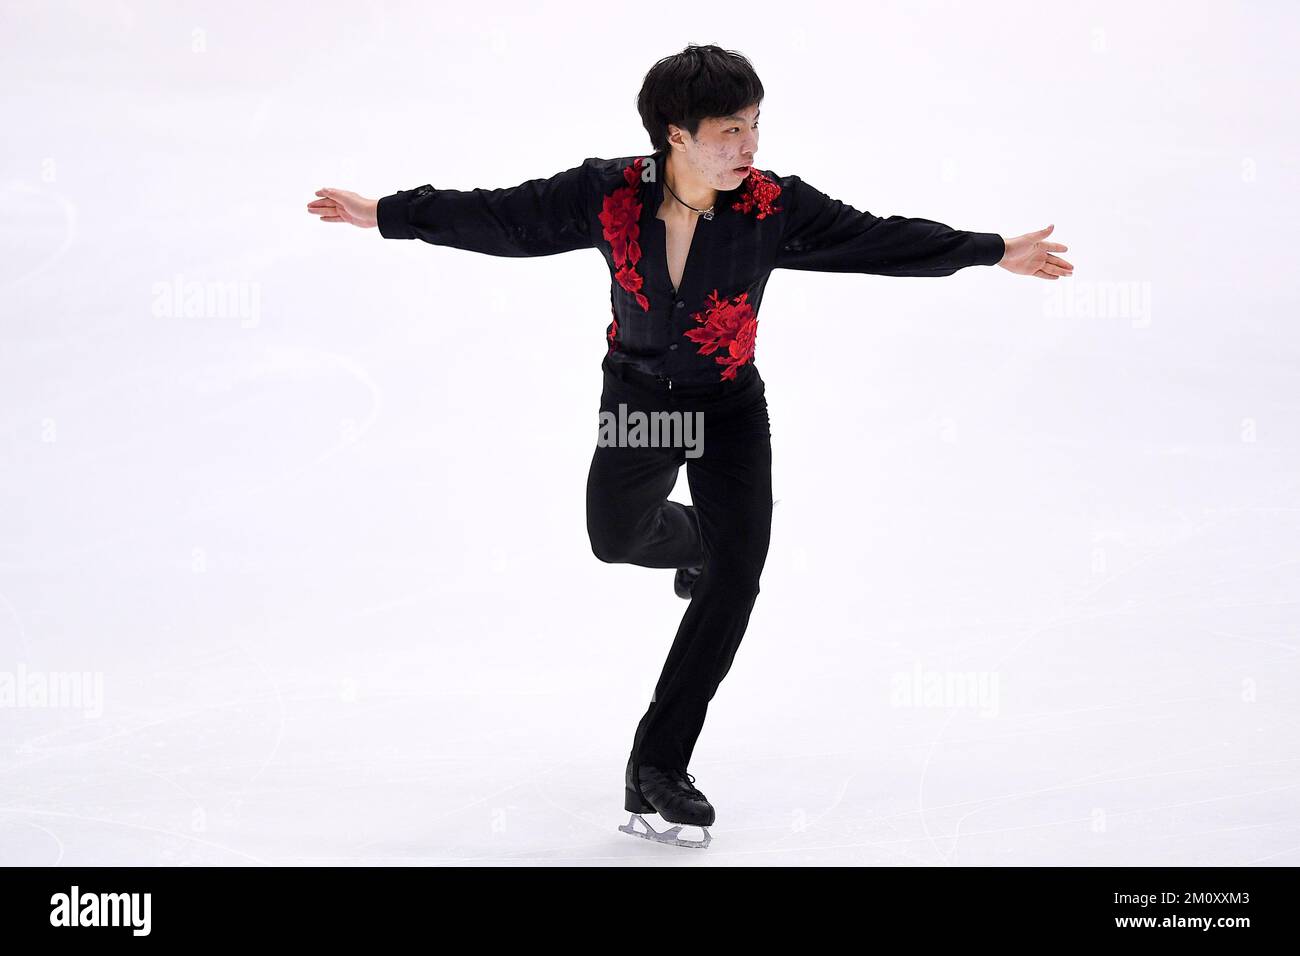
(1081, 613)
(225, 493)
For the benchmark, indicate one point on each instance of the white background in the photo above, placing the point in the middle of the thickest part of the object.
(328, 556)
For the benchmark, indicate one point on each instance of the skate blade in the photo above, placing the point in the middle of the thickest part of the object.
(670, 836)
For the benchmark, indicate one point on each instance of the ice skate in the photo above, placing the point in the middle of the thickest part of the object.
(671, 794)
(670, 836)
(684, 581)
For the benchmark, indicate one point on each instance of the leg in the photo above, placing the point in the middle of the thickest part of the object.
(731, 485)
(629, 517)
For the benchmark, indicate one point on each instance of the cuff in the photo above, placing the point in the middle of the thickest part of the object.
(393, 215)
(989, 248)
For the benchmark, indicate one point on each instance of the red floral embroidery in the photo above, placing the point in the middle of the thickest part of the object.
(613, 330)
(760, 192)
(620, 219)
(730, 324)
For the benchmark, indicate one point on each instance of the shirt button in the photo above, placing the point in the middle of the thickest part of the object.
(673, 347)
(681, 305)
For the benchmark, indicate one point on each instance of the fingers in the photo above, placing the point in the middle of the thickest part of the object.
(1053, 247)
(1043, 233)
(1058, 261)
(1054, 270)
(325, 204)
(1043, 275)
(326, 208)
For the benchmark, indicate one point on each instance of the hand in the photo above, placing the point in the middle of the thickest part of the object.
(1030, 255)
(339, 205)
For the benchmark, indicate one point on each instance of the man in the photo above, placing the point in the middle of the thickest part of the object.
(691, 234)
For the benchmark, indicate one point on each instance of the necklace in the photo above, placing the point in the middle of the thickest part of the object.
(706, 213)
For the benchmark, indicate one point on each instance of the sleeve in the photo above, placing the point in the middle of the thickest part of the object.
(540, 217)
(825, 235)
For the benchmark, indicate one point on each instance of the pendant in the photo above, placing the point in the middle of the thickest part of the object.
(708, 214)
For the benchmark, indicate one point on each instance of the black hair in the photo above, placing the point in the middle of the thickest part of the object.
(700, 82)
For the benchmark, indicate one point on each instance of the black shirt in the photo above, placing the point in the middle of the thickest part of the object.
(706, 330)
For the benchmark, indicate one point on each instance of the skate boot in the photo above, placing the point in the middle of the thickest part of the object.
(684, 582)
(673, 795)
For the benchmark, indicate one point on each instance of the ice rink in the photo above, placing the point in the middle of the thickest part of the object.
(293, 558)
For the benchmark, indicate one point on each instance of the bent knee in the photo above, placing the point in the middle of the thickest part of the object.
(608, 555)
(609, 549)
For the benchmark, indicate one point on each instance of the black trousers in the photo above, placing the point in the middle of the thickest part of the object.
(726, 529)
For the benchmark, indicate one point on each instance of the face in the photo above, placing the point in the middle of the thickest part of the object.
(723, 149)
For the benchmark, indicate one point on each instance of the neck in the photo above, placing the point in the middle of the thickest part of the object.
(688, 189)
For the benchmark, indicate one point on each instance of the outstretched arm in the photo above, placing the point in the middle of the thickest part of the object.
(539, 217)
(822, 234)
